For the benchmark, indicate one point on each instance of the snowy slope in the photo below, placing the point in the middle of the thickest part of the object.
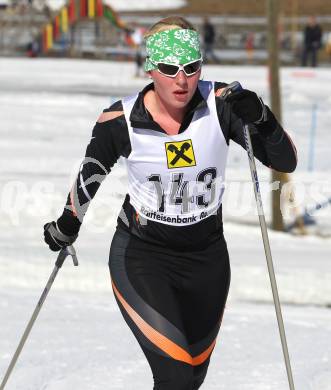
(48, 108)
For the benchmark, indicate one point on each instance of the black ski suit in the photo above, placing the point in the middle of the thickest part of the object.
(170, 282)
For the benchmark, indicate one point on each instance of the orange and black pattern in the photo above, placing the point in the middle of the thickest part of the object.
(172, 300)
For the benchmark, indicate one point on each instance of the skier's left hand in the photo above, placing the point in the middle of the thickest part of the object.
(247, 106)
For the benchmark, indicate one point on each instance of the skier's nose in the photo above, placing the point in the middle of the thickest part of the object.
(181, 78)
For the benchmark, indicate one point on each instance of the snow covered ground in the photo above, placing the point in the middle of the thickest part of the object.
(48, 108)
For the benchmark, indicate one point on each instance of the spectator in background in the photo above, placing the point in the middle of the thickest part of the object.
(32, 49)
(312, 42)
(328, 46)
(137, 37)
(249, 46)
(208, 34)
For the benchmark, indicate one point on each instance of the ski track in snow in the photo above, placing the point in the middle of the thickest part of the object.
(80, 340)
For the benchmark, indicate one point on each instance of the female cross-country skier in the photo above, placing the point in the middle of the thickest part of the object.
(168, 261)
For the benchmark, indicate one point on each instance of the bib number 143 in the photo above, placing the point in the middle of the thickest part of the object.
(182, 193)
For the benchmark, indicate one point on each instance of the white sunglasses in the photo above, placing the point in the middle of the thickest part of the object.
(172, 70)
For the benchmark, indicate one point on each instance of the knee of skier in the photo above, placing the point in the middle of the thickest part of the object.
(199, 374)
(182, 379)
(198, 381)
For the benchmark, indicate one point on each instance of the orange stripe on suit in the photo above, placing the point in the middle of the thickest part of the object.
(162, 342)
(73, 208)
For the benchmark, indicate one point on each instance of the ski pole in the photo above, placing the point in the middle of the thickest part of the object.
(67, 251)
(235, 86)
(267, 250)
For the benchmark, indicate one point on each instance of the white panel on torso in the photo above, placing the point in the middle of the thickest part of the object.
(178, 179)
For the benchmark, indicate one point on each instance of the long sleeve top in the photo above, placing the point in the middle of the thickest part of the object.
(110, 140)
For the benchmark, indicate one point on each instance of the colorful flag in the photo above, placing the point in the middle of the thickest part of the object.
(64, 19)
(72, 11)
(56, 30)
(44, 40)
(99, 8)
(110, 15)
(49, 36)
(91, 8)
(83, 8)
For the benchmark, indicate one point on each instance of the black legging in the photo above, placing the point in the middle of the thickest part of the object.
(173, 301)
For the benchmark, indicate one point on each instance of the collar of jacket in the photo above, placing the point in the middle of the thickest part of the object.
(141, 118)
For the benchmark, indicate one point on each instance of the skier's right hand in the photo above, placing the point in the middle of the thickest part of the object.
(55, 239)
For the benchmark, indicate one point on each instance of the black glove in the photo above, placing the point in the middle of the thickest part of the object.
(247, 106)
(55, 239)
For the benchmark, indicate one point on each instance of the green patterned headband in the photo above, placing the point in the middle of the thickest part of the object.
(176, 47)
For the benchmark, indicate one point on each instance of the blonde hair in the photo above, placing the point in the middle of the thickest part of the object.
(169, 23)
